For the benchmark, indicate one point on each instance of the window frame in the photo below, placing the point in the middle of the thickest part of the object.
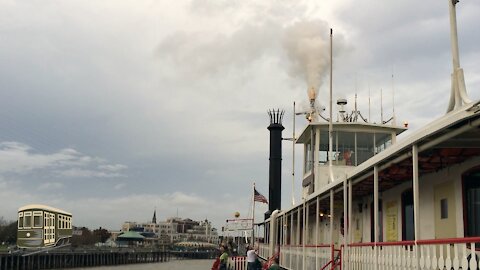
(25, 215)
(37, 214)
(20, 218)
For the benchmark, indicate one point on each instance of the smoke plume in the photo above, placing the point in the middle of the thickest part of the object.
(308, 48)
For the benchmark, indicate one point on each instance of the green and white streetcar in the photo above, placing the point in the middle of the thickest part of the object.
(41, 226)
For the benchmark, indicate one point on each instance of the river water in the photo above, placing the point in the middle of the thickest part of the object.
(171, 265)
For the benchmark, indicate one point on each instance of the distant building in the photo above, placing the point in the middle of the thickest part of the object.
(174, 230)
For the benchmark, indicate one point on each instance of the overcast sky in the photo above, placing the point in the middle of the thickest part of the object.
(110, 109)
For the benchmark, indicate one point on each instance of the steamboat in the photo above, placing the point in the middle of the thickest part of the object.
(372, 202)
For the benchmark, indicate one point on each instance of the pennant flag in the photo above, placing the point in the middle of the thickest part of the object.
(259, 197)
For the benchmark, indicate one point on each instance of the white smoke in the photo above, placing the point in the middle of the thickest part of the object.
(308, 47)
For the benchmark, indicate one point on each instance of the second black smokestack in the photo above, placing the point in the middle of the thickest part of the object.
(275, 166)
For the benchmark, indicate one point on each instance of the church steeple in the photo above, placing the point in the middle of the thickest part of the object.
(154, 219)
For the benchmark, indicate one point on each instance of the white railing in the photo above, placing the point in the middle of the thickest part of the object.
(292, 257)
(263, 251)
(438, 254)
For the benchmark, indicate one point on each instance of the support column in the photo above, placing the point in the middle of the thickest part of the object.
(317, 217)
(298, 236)
(316, 159)
(307, 223)
(291, 229)
(375, 212)
(332, 244)
(291, 239)
(416, 201)
(345, 222)
(304, 228)
(350, 218)
(298, 226)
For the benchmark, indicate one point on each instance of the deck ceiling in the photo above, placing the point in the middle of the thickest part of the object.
(453, 151)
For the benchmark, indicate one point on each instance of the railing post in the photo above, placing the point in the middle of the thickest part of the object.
(416, 201)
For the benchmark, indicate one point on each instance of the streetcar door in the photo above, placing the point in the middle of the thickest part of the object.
(52, 228)
(46, 228)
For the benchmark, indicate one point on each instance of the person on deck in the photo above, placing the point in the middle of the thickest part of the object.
(251, 258)
(223, 258)
(274, 265)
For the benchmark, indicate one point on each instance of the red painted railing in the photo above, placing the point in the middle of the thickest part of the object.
(336, 261)
(309, 246)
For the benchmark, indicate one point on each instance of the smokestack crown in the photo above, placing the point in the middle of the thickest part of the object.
(276, 116)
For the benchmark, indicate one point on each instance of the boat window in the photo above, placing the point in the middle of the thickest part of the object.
(343, 148)
(380, 222)
(27, 221)
(365, 147)
(408, 222)
(382, 141)
(323, 147)
(20, 220)
(443, 208)
(37, 219)
(471, 198)
(308, 158)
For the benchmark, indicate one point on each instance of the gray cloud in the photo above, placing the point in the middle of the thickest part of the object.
(20, 158)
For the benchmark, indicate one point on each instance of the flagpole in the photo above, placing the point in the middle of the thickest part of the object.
(252, 243)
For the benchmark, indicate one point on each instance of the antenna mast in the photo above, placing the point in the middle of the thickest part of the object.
(356, 89)
(369, 108)
(393, 100)
(381, 106)
(330, 125)
(293, 157)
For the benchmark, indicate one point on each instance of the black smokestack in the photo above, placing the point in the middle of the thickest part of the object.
(275, 166)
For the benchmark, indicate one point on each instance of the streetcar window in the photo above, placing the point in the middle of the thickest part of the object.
(37, 219)
(27, 221)
(20, 220)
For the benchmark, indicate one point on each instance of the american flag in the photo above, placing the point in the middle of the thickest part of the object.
(259, 197)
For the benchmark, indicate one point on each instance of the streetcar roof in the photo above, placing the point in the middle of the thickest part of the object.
(43, 207)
